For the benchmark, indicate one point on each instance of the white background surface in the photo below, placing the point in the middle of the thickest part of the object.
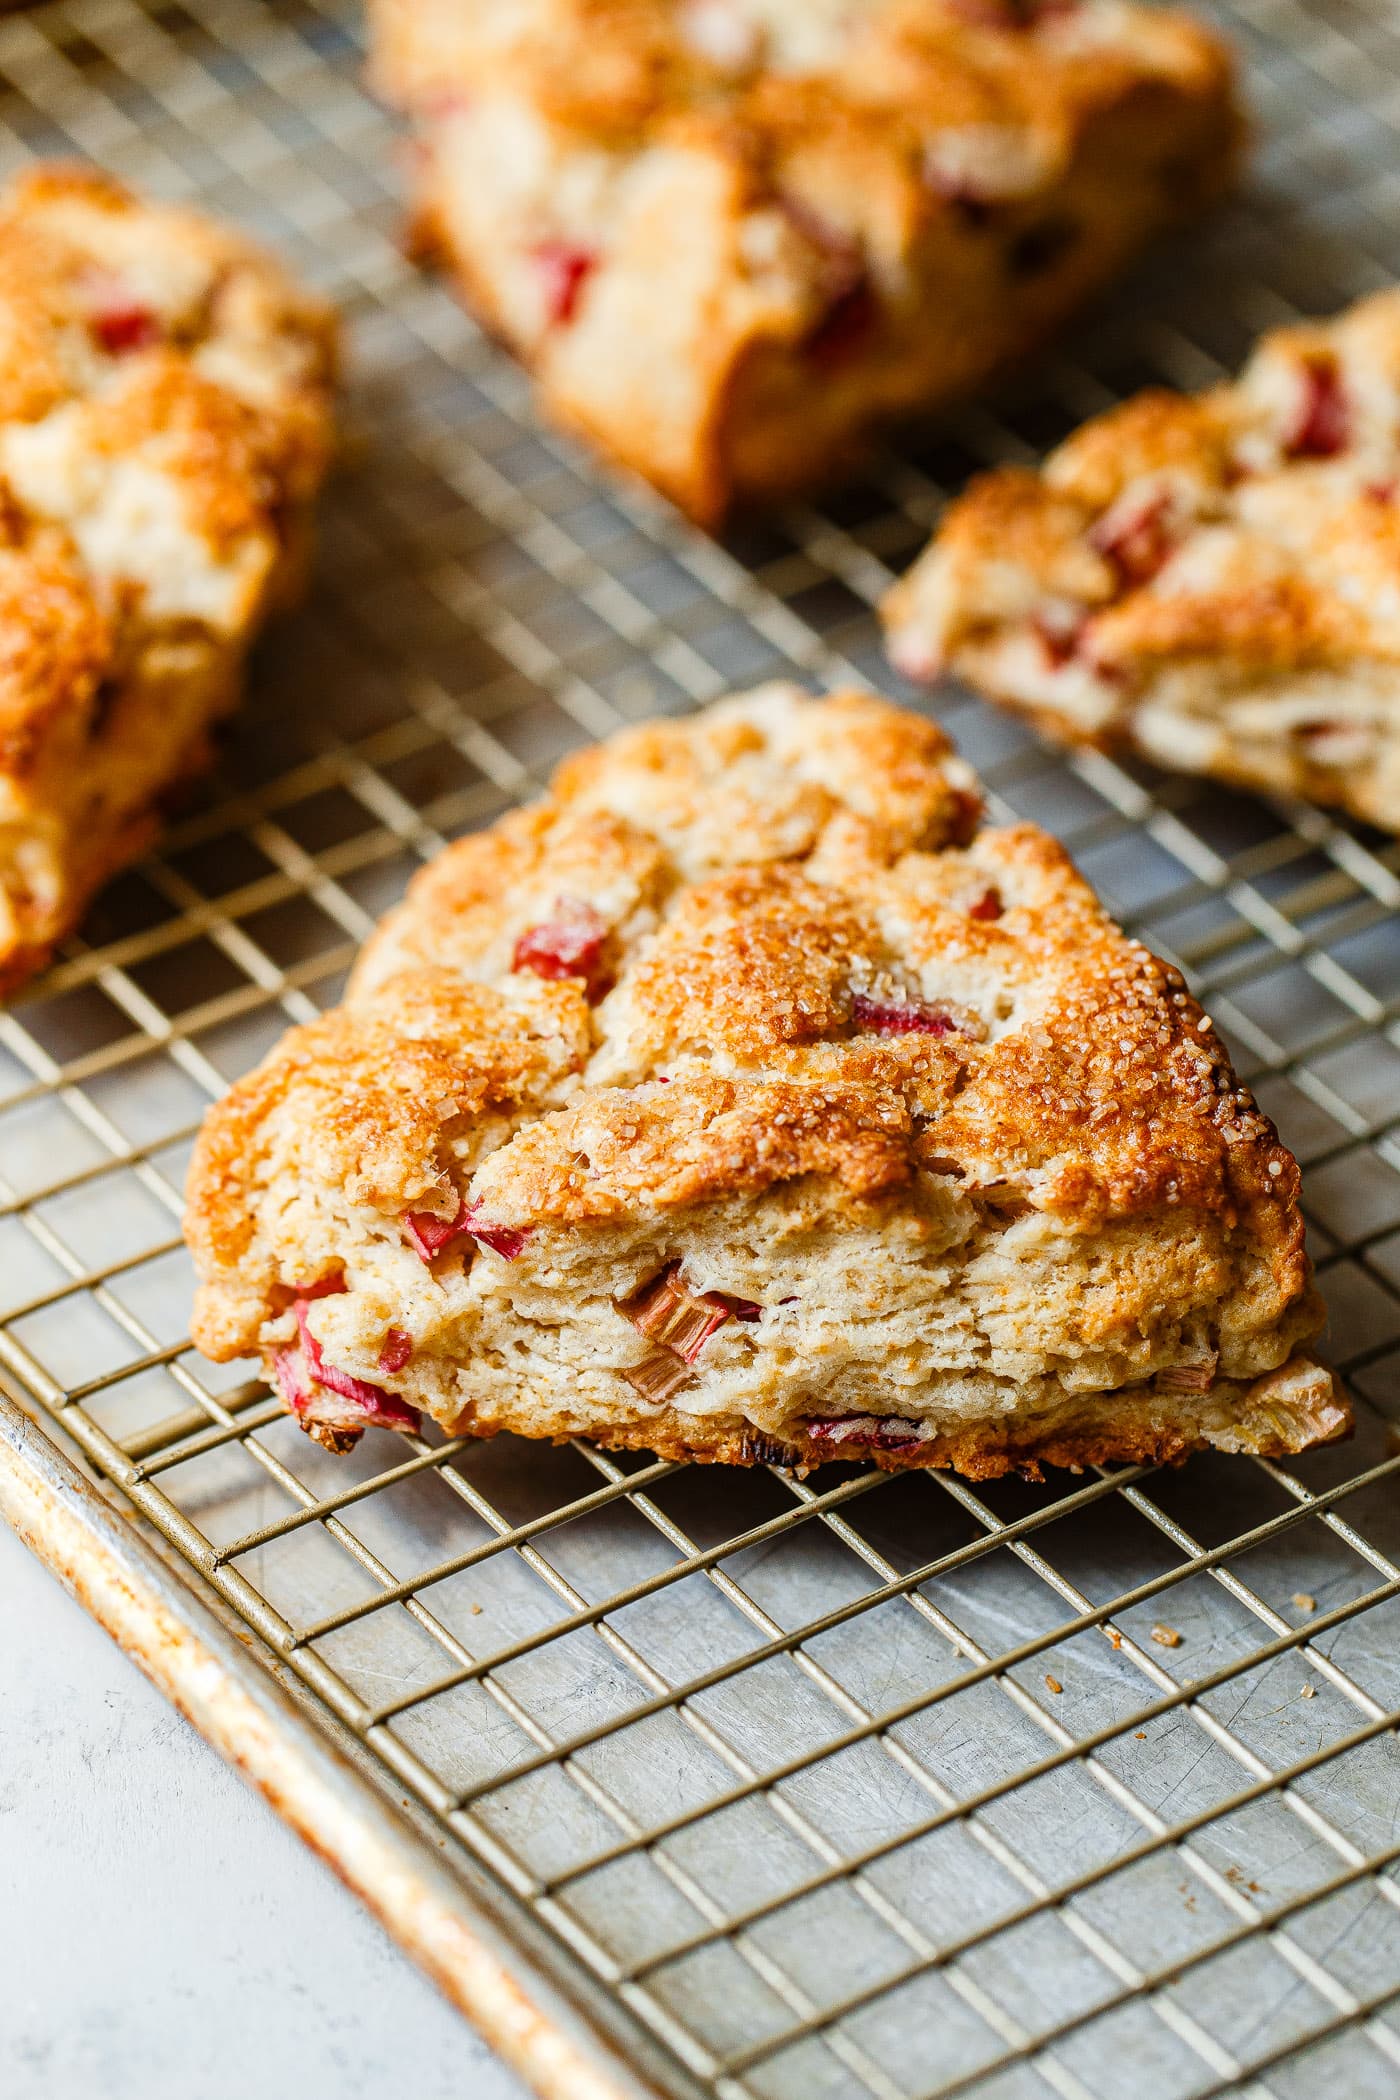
(161, 1933)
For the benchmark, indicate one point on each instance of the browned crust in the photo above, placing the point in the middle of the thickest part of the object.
(986, 1452)
(25, 959)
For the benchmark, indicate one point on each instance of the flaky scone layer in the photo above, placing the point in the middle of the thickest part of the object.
(744, 1098)
(729, 236)
(164, 425)
(1214, 580)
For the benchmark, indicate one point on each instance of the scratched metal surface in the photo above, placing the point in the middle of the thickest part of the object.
(844, 1787)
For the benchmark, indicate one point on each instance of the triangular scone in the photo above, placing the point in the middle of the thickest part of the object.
(730, 237)
(1212, 579)
(744, 1101)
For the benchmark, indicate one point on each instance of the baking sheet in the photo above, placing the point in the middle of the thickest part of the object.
(845, 1787)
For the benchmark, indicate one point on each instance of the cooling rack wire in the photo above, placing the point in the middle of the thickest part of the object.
(711, 1782)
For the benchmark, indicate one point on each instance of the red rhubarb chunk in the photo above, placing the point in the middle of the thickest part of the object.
(397, 1349)
(567, 944)
(1321, 425)
(1135, 537)
(1059, 633)
(846, 327)
(987, 906)
(674, 1317)
(301, 1378)
(901, 1017)
(877, 1432)
(125, 326)
(430, 1234)
(506, 1240)
(331, 1286)
(564, 269)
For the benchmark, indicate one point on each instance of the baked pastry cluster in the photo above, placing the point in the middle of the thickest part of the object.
(164, 423)
(746, 1100)
(1211, 580)
(729, 236)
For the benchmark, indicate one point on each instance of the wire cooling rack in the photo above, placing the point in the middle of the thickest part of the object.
(757, 1786)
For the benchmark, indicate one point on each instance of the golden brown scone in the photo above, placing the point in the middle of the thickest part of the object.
(164, 425)
(1214, 581)
(744, 1100)
(729, 236)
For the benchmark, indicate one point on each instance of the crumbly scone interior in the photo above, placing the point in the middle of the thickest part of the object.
(164, 423)
(1216, 578)
(744, 1088)
(727, 235)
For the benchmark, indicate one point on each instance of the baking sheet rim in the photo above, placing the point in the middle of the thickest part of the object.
(177, 1642)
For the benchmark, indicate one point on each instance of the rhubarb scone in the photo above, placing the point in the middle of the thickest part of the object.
(164, 423)
(1211, 580)
(730, 236)
(745, 1100)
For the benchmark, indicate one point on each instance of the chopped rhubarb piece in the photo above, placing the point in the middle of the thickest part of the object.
(384, 1409)
(124, 325)
(850, 309)
(756, 1449)
(506, 1240)
(674, 1317)
(659, 1374)
(398, 1348)
(377, 1406)
(987, 906)
(1059, 629)
(846, 327)
(1382, 492)
(564, 269)
(878, 1432)
(1190, 1378)
(964, 815)
(905, 1017)
(567, 944)
(1321, 423)
(290, 1375)
(331, 1286)
(1135, 536)
(744, 1309)
(430, 1233)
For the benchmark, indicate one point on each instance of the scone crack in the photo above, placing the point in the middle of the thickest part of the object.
(883, 1142)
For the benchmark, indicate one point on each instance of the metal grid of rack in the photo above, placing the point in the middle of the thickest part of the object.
(845, 1786)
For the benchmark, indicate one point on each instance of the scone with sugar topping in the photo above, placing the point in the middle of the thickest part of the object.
(745, 1100)
(164, 425)
(729, 236)
(1213, 581)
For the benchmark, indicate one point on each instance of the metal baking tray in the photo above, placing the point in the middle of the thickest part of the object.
(694, 1781)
